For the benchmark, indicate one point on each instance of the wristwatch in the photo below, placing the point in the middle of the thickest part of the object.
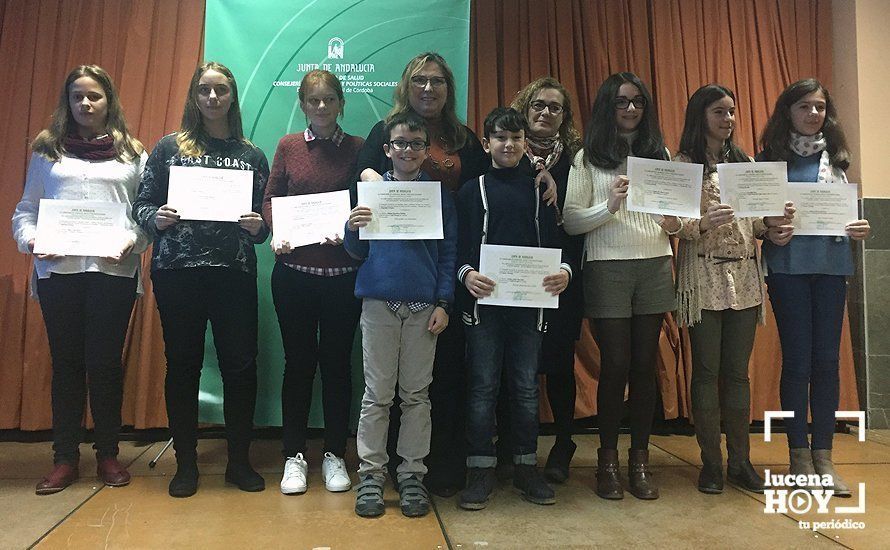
(444, 305)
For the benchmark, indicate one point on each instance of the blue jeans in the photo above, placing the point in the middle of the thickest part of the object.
(505, 338)
(809, 312)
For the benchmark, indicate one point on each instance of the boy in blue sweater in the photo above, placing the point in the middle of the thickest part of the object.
(407, 287)
(503, 208)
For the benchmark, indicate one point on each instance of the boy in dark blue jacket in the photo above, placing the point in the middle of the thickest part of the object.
(407, 287)
(503, 208)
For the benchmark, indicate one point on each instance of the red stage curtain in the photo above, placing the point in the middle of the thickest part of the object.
(151, 48)
(755, 47)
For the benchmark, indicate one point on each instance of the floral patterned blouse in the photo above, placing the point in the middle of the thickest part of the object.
(729, 275)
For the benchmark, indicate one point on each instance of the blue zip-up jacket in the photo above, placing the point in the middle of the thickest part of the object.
(411, 271)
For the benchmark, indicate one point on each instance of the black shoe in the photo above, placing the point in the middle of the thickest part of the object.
(185, 482)
(369, 497)
(480, 484)
(557, 467)
(444, 490)
(413, 498)
(744, 476)
(444, 483)
(245, 477)
(710, 479)
(530, 483)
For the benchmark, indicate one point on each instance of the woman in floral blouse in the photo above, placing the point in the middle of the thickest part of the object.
(719, 293)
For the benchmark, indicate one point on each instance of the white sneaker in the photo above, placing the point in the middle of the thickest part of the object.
(293, 482)
(333, 470)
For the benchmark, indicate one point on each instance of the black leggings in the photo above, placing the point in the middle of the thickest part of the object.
(559, 356)
(86, 316)
(628, 349)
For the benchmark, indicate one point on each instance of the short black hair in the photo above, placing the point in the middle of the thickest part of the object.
(412, 120)
(504, 118)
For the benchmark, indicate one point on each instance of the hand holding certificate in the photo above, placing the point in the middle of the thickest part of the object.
(302, 220)
(518, 273)
(823, 209)
(663, 187)
(210, 194)
(753, 189)
(81, 228)
(401, 210)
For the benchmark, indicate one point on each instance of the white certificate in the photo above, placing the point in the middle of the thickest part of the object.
(518, 273)
(80, 228)
(309, 219)
(211, 194)
(823, 209)
(402, 209)
(753, 189)
(664, 187)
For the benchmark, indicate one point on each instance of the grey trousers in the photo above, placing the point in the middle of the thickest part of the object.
(398, 351)
(721, 348)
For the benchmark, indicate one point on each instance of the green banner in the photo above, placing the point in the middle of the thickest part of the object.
(269, 45)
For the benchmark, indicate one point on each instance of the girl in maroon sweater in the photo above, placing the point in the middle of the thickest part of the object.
(312, 286)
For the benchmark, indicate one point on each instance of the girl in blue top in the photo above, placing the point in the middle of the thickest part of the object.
(807, 277)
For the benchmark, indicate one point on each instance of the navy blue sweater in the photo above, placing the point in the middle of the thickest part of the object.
(513, 204)
(412, 271)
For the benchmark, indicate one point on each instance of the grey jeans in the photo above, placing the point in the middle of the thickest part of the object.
(398, 351)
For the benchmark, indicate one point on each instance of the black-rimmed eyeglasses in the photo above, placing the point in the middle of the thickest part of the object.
(415, 145)
(639, 102)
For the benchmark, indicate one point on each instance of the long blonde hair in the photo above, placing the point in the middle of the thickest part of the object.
(192, 138)
(50, 144)
(455, 134)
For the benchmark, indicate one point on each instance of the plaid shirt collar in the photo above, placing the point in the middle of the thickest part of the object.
(337, 137)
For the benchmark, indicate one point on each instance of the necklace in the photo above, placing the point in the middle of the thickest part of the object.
(443, 165)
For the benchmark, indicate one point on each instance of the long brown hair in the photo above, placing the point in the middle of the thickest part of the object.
(568, 134)
(455, 134)
(49, 142)
(192, 138)
(602, 145)
(774, 142)
(694, 141)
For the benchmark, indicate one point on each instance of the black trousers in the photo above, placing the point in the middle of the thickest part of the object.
(86, 317)
(187, 299)
(317, 316)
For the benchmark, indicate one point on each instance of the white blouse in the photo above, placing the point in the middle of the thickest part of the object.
(77, 179)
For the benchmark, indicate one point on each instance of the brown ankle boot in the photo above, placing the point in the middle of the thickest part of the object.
(640, 477)
(608, 483)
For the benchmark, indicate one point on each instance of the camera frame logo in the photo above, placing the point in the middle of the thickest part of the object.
(802, 494)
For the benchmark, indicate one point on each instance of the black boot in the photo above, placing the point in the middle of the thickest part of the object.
(639, 476)
(559, 459)
(710, 479)
(245, 477)
(531, 485)
(608, 482)
(739, 470)
(707, 432)
(239, 471)
(185, 482)
(480, 484)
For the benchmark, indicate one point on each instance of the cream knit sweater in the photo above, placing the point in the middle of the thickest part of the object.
(620, 236)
